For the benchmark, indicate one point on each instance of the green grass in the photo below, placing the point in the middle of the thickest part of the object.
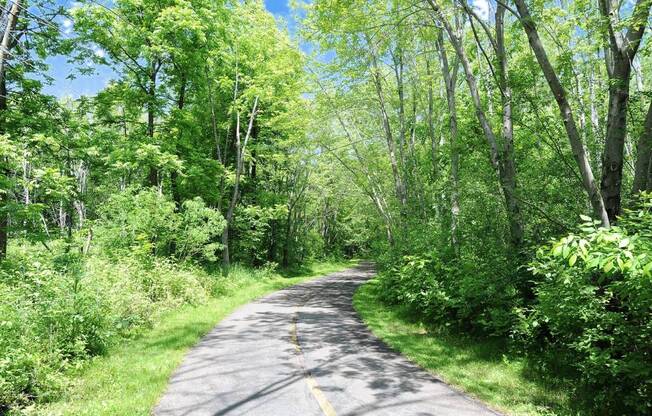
(480, 367)
(131, 377)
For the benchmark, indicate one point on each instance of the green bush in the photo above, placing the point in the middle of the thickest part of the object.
(58, 309)
(142, 221)
(49, 320)
(251, 228)
(594, 306)
(199, 227)
(467, 293)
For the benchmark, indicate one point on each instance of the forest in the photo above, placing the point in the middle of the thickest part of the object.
(493, 158)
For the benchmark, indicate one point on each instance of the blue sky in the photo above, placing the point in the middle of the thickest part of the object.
(278, 7)
(89, 85)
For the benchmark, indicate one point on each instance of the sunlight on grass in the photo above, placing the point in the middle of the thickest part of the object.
(130, 378)
(478, 367)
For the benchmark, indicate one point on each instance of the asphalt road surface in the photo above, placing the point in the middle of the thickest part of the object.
(303, 351)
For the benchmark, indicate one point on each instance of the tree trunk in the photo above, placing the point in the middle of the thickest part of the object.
(579, 152)
(5, 46)
(152, 177)
(623, 50)
(612, 156)
(508, 171)
(434, 142)
(241, 146)
(399, 185)
(501, 156)
(643, 168)
(286, 245)
(4, 216)
(450, 81)
(226, 258)
(174, 175)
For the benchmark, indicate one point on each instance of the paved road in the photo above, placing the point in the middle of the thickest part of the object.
(303, 351)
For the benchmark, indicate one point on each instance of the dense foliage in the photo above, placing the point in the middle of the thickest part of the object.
(120, 205)
(494, 157)
(479, 131)
(593, 297)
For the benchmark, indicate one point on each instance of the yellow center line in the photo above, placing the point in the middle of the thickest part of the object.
(324, 404)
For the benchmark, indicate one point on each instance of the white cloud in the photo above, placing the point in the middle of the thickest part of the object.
(99, 53)
(67, 26)
(482, 7)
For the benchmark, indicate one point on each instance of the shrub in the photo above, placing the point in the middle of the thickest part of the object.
(200, 225)
(594, 306)
(251, 228)
(57, 310)
(141, 221)
(144, 222)
(49, 320)
(467, 293)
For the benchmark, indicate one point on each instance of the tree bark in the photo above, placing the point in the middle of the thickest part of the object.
(450, 82)
(434, 141)
(577, 146)
(153, 176)
(399, 184)
(174, 175)
(4, 216)
(508, 161)
(5, 47)
(623, 50)
(643, 169)
(241, 146)
(505, 169)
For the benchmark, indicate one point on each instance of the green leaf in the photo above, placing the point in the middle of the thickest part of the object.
(572, 260)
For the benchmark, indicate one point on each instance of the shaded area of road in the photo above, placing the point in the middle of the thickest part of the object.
(250, 364)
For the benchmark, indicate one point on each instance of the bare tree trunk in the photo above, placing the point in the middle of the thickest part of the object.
(62, 217)
(434, 141)
(623, 50)
(81, 174)
(241, 146)
(505, 169)
(4, 224)
(579, 152)
(597, 136)
(450, 81)
(288, 234)
(643, 171)
(174, 175)
(5, 46)
(397, 57)
(508, 170)
(391, 145)
(216, 138)
(153, 176)
(612, 156)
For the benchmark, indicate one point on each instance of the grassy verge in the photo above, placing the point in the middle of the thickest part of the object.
(131, 377)
(481, 368)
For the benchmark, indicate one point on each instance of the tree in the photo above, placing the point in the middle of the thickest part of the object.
(620, 53)
(579, 152)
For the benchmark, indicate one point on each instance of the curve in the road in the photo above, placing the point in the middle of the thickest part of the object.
(303, 351)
